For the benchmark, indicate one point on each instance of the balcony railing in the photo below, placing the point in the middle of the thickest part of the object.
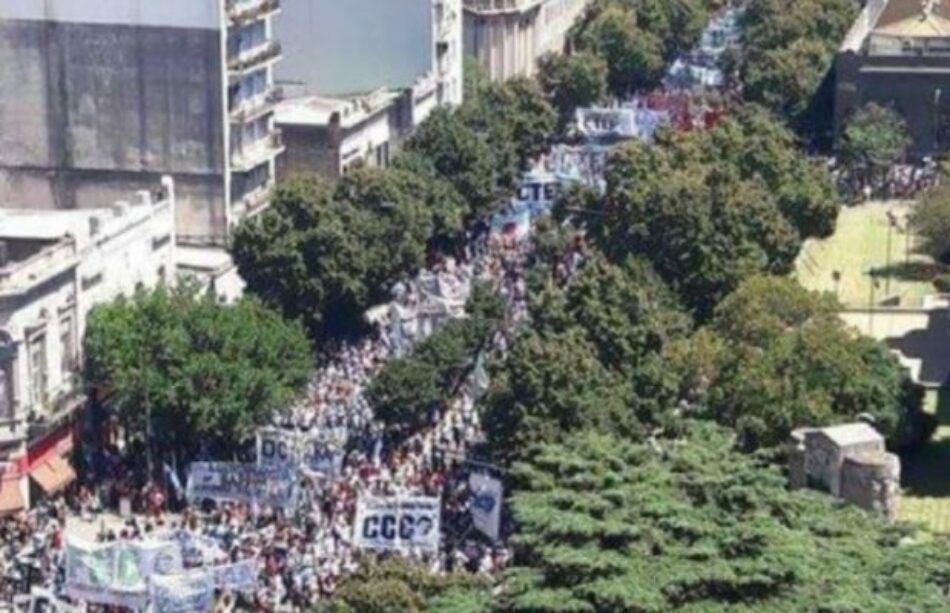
(266, 52)
(244, 159)
(19, 276)
(256, 106)
(242, 11)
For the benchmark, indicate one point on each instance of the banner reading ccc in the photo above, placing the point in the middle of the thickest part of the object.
(403, 524)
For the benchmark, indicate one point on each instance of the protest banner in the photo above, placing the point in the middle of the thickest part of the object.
(239, 576)
(606, 122)
(397, 523)
(265, 484)
(538, 191)
(117, 574)
(195, 549)
(317, 453)
(189, 592)
(512, 223)
(486, 504)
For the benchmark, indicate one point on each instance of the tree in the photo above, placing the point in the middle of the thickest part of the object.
(780, 358)
(408, 391)
(548, 386)
(702, 226)
(324, 255)
(930, 222)
(873, 138)
(604, 524)
(394, 585)
(634, 56)
(787, 51)
(205, 373)
(462, 156)
(572, 81)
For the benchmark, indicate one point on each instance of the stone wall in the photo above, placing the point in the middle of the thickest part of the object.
(872, 481)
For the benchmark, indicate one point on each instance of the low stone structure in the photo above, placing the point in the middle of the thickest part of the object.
(850, 462)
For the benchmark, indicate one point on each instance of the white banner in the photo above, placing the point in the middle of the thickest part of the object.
(402, 524)
(191, 592)
(486, 504)
(238, 576)
(315, 453)
(267, 484)
(117, 574)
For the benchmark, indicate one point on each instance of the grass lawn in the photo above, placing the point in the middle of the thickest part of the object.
(926, 475)
(859, 244)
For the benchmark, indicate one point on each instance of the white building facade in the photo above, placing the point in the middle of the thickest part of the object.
(55, 266)
(508, 36)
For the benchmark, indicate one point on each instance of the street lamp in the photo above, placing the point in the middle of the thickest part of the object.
(836, 278)
(937, 94)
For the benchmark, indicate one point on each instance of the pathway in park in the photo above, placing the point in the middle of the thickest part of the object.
(926, 488)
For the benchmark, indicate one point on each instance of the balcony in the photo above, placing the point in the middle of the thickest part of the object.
(19, 277)
(242, 63)
(245, 158)
(243, 11)
(252, 108)
(490, 7)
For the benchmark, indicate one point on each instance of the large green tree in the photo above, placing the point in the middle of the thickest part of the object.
(930, 222)
(324, 254)
(572, 81)
(787, 51)
(204, 372)
(604, 524)
(776, 357)
(709, 208)
(873, 138)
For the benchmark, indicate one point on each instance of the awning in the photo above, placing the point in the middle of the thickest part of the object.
(11, 500)
(53, 474)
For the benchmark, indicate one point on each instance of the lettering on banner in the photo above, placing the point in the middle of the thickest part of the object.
(397, 523)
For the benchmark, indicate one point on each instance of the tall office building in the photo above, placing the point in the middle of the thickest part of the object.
(508, 36)
(100, 98)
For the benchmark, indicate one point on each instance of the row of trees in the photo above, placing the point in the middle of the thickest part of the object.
(324, 253)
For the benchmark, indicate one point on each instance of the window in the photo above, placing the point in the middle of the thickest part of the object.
(67, 339)
(38, 374)
(6, 387)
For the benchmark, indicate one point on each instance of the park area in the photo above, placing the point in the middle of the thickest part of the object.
(868, 237)
(873, 237)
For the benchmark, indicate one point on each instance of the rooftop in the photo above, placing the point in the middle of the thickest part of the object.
(846, 435)
(319, 110)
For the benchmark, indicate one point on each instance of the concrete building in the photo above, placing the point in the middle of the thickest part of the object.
(100, 98)
(54, 267)
(897, 54)
(508, 36)
(850, 462)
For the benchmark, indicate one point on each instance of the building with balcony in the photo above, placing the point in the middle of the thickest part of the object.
(897, 54)
(100, 98)
(508, 36)
(55, 266)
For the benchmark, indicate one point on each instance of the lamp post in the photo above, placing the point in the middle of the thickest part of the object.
(891, 222)
(836, 278)
(937, 94)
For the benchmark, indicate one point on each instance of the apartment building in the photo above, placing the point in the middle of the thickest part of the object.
(55, 266)
(897, 54)
(508, 36)
(101, 98)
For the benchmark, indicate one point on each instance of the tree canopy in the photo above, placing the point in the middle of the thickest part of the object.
(873, 138)
(776, 357)
(709, 208)
(572, 81)
(605, 524)
(787, 51)
(930, 222)
(207, 373)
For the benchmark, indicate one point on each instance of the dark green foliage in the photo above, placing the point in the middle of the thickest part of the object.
(210, 373)
(572, 81)
(637, 38)
(407, 390)
(606, 525)
(777, 357)
(874, 138)
(709, 208)
(788, 50)
(324, 254)
(930, 222)
(396, 585)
